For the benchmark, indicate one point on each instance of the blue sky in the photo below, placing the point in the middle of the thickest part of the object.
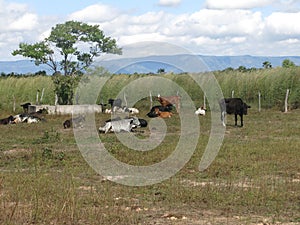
(208, 27)
(55, 7)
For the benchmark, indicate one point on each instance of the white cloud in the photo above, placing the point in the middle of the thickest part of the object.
(169, 2)
(237, 4)
(216, 23)
(225, 27)
(19, 24)
(28, 21)
(97, 12)
(283, 24)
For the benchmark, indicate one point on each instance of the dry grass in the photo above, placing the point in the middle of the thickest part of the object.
(254, 179)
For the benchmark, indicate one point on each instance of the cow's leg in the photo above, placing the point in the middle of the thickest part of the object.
(108, 126)
(235, 119)
(241, 120)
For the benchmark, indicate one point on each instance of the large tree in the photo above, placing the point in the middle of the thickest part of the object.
(69, 50)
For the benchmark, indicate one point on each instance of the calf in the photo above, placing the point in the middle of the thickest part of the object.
(234, 106)
(7, 120)
(170, 100)
(118, 125)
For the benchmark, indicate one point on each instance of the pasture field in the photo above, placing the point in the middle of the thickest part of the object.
(255, 178)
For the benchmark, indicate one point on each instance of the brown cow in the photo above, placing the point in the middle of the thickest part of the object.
(170, 100)
(164, 114)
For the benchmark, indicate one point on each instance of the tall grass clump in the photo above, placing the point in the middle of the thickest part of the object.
(272, 84)
(24, 89)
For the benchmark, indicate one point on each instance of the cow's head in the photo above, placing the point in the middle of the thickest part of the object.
(245, 108)
(135, 122)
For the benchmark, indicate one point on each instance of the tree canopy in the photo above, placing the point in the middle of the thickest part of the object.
(70, 48)
(288, 63)
(267, 65)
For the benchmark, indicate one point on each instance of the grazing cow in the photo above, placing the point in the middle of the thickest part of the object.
(76, 122)
(115, 104)
(200, 111)
(170, 100)
(234, 106)
(7, 120)
(26, 106)
(118, 125)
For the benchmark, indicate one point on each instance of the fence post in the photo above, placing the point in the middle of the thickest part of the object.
(14, 104)
(286, 100)
(204, 101)
(232, 93)
(259, 102)
(125, 100)
(37, 97)
(150, 95)
(56, 99)
(42, 95)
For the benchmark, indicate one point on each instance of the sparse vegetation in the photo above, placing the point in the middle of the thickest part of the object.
(255, 178)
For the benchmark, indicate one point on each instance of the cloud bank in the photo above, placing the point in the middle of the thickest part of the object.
(221, 27)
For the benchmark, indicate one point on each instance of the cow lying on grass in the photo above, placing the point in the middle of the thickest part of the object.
(160, 111)
(7, 120)
(234, 106)
(200, 111)
(116, 107)
(123, 109)
(75, 122)
(26, 118)
(118, 125)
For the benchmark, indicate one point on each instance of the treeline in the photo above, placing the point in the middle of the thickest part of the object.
(271, 84)
(18, 75)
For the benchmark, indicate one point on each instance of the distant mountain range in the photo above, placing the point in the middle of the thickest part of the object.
(169, 63)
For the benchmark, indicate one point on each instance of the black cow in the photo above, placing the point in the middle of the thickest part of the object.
(7, 120)
(234, 106)
(115, 102)
(26, 106)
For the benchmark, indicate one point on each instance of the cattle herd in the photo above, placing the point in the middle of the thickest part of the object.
(234, 106)
(23, 118)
